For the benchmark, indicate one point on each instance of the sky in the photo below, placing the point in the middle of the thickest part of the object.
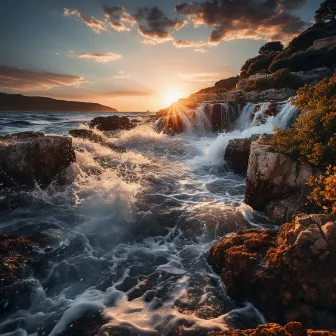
(136, 55)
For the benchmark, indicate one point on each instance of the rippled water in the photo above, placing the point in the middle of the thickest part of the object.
(131, 233)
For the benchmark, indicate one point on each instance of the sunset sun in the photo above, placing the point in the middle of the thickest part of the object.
(173, 96)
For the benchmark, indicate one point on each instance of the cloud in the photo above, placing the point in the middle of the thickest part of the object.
(197, 45)
(15, 79)
(126, 93)
(262, 19)
(101, 58)
(122, 75)
(119, 19)
(207, 77)
(156, 26)
(96, 25)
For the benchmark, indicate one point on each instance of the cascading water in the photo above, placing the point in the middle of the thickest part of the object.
(132, 231)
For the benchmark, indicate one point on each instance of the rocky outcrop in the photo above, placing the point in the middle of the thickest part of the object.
(111, 123)
(18, 253)
(315, 75)
(276, 184)
(29, 157)
(273, 329)
(289, 276)
(237, 154)
(327, 43)
(87, 134)
(238, 96)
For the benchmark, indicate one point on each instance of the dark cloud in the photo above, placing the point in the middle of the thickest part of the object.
(257, 19)
(155, 25)
(15, 79)
(118, 18)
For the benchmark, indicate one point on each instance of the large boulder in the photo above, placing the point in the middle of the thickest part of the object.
(237, 154)
(111, 123)
(276, 184)
(29, 157)
(289, 276)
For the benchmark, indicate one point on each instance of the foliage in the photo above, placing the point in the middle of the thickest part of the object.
(326, 12)
(312, 139)
(271, 47)
(305, 60)
(324, 190)
(223, 85)
(258, 64)
(281, 79)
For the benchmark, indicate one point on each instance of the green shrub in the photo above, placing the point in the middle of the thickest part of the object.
(305, 60)
(271, 47)
(257, 64)
(281, 79)
(223, 85)
(312, 139)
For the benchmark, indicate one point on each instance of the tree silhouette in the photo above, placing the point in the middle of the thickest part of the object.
(271, 47)
(326, 12)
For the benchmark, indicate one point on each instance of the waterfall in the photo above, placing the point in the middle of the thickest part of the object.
(210, 117)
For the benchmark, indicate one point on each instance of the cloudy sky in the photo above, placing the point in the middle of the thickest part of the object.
(131, 54)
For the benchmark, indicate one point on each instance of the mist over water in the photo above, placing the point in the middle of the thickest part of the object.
(132, 230)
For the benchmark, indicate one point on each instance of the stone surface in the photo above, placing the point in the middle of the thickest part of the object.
(111, 123)
(276, 184)
(325, 43)
(290, 275)
(273, 329)
(237, 154)
(87, 134)
(238, 96)
(26, 158)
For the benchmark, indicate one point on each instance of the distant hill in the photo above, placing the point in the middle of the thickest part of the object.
(20, 103)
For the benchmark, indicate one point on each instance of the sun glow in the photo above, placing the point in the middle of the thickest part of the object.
(171, 97)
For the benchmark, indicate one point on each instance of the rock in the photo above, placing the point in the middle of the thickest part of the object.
(111, 123)
(237, 154)
(276, 95)
(314, 76)
(87, 134)
(18, 253)
(289, 275)
(26, 158)
(171, 124)
(325, 43)
(273, 329)
(276, 184)
(223, 116)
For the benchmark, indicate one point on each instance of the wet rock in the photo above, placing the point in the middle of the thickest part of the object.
(276, 184)
(29, 157)
(224, 116)
(18, 255)
(273, 329)
(289, 276)
(112, 123)
(87, 134)
(237, 154)
(171, 124)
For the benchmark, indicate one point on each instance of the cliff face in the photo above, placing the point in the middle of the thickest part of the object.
(20, 103)
(276, 184)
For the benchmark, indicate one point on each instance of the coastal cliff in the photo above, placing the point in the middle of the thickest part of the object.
(20, 103)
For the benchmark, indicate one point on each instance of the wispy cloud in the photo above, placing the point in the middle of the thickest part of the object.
(126, 93)
(16, 79)
(122, 75)
(206, 78)
(95, 24)
(101, 58)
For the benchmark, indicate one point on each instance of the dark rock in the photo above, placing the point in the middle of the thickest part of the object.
(171, 124)
(111, 123)
(289, 276)
(273, 329)
(237, 154)
(18, 253)
(87, 134)
(29, 157)
(276, 184)
(224, 116)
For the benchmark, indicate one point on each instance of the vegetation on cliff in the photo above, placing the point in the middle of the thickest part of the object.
(312, 138)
